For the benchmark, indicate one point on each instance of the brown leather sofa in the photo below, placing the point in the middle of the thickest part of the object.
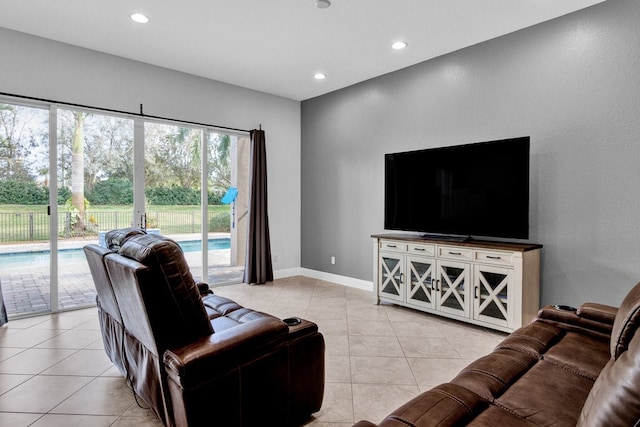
(566, 368)
(197, 358)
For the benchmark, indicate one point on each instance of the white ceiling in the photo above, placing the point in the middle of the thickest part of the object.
(276, 46)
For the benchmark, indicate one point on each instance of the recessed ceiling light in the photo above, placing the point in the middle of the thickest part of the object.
(323, 4)
(139, 18)
(399, 45)
(319, 76)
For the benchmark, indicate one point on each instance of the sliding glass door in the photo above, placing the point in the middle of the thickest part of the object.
(24, 198)
(67, 176)
(95, 194)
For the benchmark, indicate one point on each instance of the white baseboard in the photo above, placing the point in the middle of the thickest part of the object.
(329, 277)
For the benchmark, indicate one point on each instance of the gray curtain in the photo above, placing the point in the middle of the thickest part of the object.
(257, 266)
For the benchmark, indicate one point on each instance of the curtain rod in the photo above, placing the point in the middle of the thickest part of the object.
(109, 110)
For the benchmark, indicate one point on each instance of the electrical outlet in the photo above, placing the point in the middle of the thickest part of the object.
(275, 259)
(333, 260)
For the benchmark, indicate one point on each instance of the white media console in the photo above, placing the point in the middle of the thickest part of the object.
(492, 284)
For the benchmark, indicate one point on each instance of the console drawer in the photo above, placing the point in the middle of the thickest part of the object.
(452, 252)
(392, 245)
(418, 249)
(495, 257)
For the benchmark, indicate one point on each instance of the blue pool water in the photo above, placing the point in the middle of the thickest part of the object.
(24, 259)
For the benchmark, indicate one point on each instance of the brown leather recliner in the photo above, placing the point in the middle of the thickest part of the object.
(197, 358)
(568, 367)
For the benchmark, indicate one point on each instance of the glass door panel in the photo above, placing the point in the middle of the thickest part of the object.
(173, 175)
(492, 294)
(24, 199)
(95, 194)
(227, 180)
(391, 276)
(420, 284)
(453, 285)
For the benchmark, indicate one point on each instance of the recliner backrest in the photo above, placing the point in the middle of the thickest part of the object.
(169, 293)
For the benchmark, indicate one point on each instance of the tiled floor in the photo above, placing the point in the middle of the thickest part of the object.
(53, 370)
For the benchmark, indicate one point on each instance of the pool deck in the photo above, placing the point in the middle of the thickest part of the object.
(26, 290)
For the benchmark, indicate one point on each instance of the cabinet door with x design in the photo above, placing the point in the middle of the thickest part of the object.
(452, 289)
(421, 281)
(492, 294)
(391, 274)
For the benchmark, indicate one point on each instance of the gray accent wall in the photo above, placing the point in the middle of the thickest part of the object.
(571, 84)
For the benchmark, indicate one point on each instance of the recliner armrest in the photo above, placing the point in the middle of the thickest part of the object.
(224, 351)
(599, 312)
(592, 318)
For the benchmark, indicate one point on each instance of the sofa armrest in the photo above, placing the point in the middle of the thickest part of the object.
(591, 318)
(224, 351)
(598, 312)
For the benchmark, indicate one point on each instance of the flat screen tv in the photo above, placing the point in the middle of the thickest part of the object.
(460, 191)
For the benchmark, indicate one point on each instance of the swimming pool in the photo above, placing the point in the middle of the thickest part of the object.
(37, 258)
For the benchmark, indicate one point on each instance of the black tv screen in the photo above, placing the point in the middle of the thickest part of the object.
(479, 189)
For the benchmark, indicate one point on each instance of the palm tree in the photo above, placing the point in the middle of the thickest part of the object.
(77, 168)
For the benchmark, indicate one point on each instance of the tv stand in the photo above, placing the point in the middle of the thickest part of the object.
(491, 284)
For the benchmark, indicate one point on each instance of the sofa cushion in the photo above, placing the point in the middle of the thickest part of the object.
(547, 395)
(626, 323)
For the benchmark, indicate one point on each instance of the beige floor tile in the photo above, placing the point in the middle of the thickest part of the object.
(9, 381)
(326, 313)
(336, 345)
(83, 363)
(473, 346)
(34, 360)
(332, 326)
(136, 416)
(431, 372)
(337, 405)
(60, 420)
(41, 393)
(370, 327)
(65, 321)
(373, 402)
(15, 419)
(26, 322)
(437, 348)
(26, 338)
(320, 302)
(337, 369)
(416, 328)
(364, 345)
(102, 396)
(397, 313)
(75, 338)
(7, 352)
(373, 312)
(381, 370)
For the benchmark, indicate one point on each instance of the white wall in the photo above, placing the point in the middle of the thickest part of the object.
(37, 67)
(572, 84)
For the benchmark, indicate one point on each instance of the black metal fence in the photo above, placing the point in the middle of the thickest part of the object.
(34, 226)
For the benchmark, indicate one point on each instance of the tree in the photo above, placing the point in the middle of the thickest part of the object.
(77, 168)
(220, 163)
(18, 137)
